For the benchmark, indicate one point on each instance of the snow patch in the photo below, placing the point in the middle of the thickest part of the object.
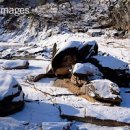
(7, 83)
(11, 64)
(104, 87)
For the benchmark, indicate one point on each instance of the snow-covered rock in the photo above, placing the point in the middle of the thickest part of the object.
(49, 69)
(87, 69)
(35, 50)
(15, 64)
(8, 123)
(2, 49)
(87, 50)
(65, 58)
(111, 62)
(7, 85)
(72, 44)
(36, 76)
(56, 125)
(95, 33)
(11, 95)
(112, 68)
(85, 72)
(71, 53)
(103, 90)
(7, 54)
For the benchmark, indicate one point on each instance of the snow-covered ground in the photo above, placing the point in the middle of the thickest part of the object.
(115, 47)
(44, 102)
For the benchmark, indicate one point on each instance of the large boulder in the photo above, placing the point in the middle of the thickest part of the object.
(11, 95)
(83, 72)
(113, 69)
(70, 54)
(65, 58)
(15, 64)
(88, 49)
(103, 90)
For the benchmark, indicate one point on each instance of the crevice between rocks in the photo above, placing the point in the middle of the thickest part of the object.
(94, 120)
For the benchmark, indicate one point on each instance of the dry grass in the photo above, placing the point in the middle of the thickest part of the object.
(66, 83)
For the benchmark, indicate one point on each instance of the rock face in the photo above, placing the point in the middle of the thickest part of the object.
(15, 64)
(112, 68)
(103, 90)
(11, 95)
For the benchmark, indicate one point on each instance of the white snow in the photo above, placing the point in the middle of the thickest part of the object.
(45, 108)
(116, 47)
(34, 50)
(1, 49)
(11, 64)
(46, 86)
(81, 109)
(72, 44)
(41, 110)
(7, 83)
(125, 95)
(8, 52)
(87, 126)
(55, 125)
(92, 43)
(38, 112)
(7, 123)
(87, 69)
(111, 62)
(104, 88)
(24, 49)
(18, 98)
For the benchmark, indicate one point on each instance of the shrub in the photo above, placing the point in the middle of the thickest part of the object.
(119, 13)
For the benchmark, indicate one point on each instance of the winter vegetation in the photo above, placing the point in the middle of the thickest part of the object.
(64, 64)
(120, 14)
